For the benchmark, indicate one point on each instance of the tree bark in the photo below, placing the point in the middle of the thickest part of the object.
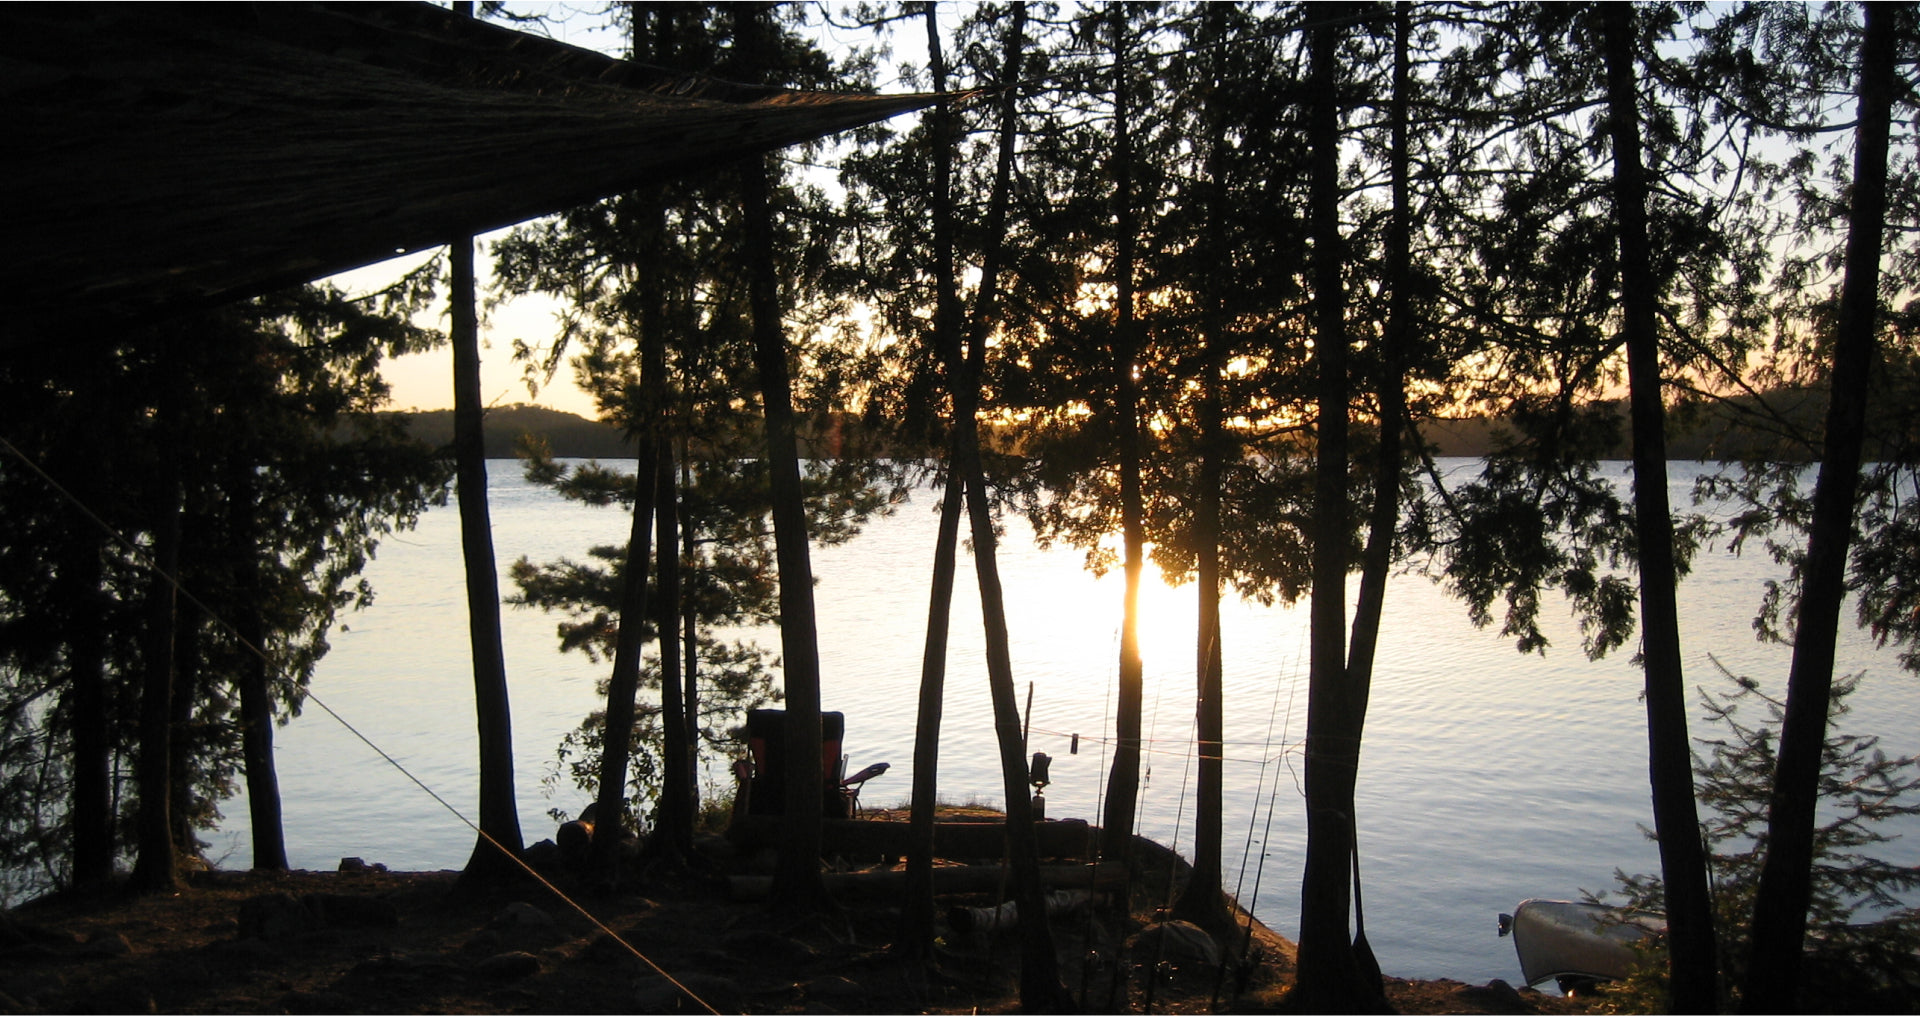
(1123, 778)
(797, 881)
(673, 835)
(255, 684)
(917, 912)
(1330, 977)
(1780, 911)
(93, 842)
(498, 846)
(623, 685)
(1202, 901)
(157, 867)
(616, 737)
(1390, 393)
(1670, 760)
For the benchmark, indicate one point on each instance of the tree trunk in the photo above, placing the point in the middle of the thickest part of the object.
(623, 685)
(189, 634)
(1330, 977)
(1201, 901)
(157, 866)
(256, 740)
(255, 684)
(616, 738)
(498, 846)
(93, 819)
(689, 626)
(1040, 986)
(1670, 760)
(917, 911)
(798, 885)
(673, 835)
(1780, 911)
(1123, 778)
(1390, 391)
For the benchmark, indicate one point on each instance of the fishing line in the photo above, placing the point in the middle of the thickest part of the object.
(181, 590)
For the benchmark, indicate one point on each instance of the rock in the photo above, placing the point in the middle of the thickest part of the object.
(543, 856)
(519, 914)
(106, 943)
(484, 941)
(1180, 943)
(834, 989)
(757, 945)
(343, 911)
(509, 966)
(274, 917)
(575, 842)
(525, 926)
(355, 864)
(660, 995)
(1495, 996)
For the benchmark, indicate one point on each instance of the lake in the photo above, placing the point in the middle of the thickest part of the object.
(1487, 776)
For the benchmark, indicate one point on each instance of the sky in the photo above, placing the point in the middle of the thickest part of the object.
(425, 381)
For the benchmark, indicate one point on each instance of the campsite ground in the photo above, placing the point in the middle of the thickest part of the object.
(376, 941)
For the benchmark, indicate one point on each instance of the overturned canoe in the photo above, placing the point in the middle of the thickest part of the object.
(1577, 941)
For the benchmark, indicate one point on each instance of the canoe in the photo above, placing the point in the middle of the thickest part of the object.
(1575, 942)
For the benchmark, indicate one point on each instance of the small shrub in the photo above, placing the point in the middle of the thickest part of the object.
(1861, 935)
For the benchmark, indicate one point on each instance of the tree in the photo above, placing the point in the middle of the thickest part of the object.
(285, 511)
(496, 850)
(1682, 859)
(1330, 973)
(1781, 909)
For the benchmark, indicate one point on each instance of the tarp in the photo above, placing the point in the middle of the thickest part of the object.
(162, 157)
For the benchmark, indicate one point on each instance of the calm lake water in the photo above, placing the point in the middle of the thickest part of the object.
(1488, 776)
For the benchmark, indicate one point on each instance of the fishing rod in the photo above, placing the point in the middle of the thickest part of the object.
(1173, 856)
(1266, 753)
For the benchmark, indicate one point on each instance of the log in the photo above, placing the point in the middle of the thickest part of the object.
(1065, 838)
(975, 878)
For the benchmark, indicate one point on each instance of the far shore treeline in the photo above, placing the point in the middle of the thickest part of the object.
(1715, 432)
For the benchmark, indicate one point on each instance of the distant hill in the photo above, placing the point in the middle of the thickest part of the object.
(570, 436)
(1729, 430)
(1784, 430)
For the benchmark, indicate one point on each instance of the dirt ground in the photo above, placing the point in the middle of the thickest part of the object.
(378, 941)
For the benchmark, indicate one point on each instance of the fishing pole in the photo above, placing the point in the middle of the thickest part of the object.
(1259, 788)
(1173, 856)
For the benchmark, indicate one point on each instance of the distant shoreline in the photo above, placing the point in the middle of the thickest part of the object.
(1716, 433)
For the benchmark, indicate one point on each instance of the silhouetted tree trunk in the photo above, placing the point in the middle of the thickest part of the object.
(673, 835)
(917, 912)
(187, 654)
(156, 868)
(1390, 392)
(616, 745)
(1330, 977)
(499, 843)
(255, 684)
(1201, 901)
(82, 577)
(1670, 760)
(1780, 911)
(1123, 777)
(623, 685)
(797, 883)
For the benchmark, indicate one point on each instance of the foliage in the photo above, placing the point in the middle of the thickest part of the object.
(290, 481)
(1862, 934)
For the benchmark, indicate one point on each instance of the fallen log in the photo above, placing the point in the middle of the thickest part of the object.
(1063, 838)
(952, 880)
